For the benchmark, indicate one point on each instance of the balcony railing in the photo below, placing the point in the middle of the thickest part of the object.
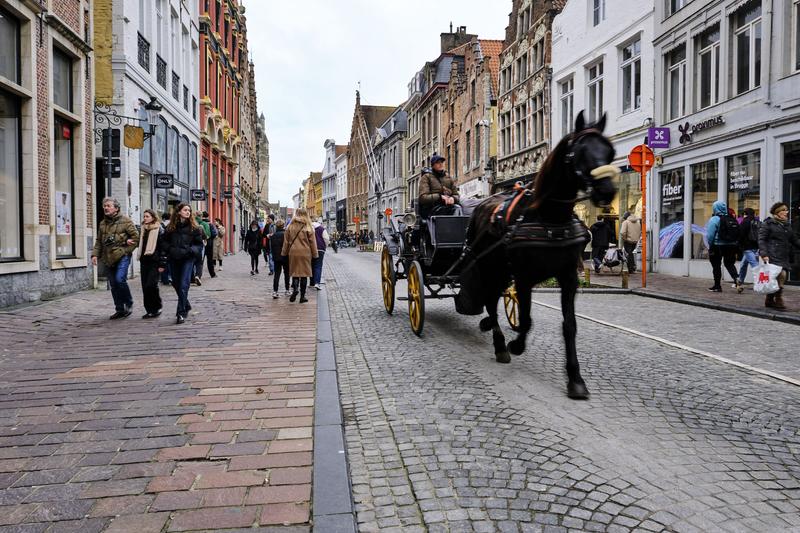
(144, 53)
(176, 86)
(161, 71)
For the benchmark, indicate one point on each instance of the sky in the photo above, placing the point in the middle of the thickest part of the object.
(310, 57)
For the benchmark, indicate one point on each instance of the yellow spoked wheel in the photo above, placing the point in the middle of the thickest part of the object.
(388, 280)
(416, 298)
(511, 304)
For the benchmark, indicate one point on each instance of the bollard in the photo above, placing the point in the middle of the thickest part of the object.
(625, 279)
(587, 275)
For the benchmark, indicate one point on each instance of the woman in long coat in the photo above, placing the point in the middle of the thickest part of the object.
(219, 242)
(775, 242)
(300, 245)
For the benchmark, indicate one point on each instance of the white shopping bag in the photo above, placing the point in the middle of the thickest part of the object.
(765, 277)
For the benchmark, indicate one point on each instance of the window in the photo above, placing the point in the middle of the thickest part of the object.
(62, 80)
(477, 144)
(183, 158)
(505, 79)
(598, 11)
(64, 188)
(676, 83)
(595, 90)
(537, 118)
(455, 159)
(523, 22)
(505, 133)
(9, 47)
(160, 27)
(670, 234)
(172, 153)
(204, 174)
(632, 76)
(705, 192)
(522, 68)
(10, 170)
(747, 47)
(567, 89)
(144, 153)
(468, 144)
(521, 126)
(796, 34)
(160, 147)
(708, 68)
(472, 92)
(676, 5)
(744, 181)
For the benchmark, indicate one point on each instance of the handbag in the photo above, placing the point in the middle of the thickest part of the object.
(765, 278)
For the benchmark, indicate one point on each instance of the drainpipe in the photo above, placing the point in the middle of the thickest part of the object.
(771, 22)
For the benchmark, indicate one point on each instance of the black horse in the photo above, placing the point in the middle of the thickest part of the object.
(532, 234)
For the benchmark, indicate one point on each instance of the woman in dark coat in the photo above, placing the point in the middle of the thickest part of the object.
(252, 243)
(149, 242)
(281, 263)
(775, 242)
(181, 248)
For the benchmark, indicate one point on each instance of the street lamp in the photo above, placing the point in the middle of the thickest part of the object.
(153, 108)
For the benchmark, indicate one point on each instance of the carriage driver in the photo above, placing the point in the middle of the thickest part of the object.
(437, 189)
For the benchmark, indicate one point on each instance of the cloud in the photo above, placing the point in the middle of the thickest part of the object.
(310, 57)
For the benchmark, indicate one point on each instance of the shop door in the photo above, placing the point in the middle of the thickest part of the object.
(792, 194)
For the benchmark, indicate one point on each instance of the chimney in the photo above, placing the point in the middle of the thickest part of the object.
(454, 40)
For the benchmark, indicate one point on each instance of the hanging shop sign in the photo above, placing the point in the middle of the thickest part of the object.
(198, 195)
(164, 181)
(658, 137)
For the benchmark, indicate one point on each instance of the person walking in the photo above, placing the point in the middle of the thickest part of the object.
(281, 262)
(322, 238)
(219, 243)
(166, 278)
(252, 243)
(269, 230)
(182, 245)
(602, 237)
(198, 265)
(775, 242)
(630, 233)
(300, 245)
(116, 240)
(209, 249)
(722, 234)
(242, 236)
(748, 244)
(149, 241)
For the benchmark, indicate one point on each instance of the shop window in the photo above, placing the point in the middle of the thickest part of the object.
(64, 174)
(632, 76)
(10, 178)
(744, 181)
(705, 191)
(676, 82)
(747, 47)
(670, 235)
(567, 88)
(707, 79)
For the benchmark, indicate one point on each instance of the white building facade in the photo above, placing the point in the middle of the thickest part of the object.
(727, 76)
(340, 164)
(602, 58)
(329, 186)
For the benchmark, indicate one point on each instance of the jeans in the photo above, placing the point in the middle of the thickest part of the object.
(182, 272)
(750, 258)
(198, 264)
(118, 279)
(210, 257)
(719, 254)
(598, 252)
(271, 263)
(150, 275)
(166, 276)
(280, 266)
(316, 269)
(629, 252)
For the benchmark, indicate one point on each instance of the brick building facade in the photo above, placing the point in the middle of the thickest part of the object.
(46, 150)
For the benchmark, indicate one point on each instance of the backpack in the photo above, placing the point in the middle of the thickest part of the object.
(728, 229)
(755, 225)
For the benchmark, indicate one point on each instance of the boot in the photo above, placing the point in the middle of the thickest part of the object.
(778, 304)
(770, 301)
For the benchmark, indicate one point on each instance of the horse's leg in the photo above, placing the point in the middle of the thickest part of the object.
(498, 339)
(524, 287)
(576, 388)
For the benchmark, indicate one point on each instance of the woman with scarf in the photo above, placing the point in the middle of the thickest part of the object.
(182, 246)
(149, 241)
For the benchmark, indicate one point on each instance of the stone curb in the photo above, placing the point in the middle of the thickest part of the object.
(585, 290)
(332, 494)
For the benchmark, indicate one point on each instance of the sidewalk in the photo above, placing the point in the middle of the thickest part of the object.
(145, 426)
(694, 291)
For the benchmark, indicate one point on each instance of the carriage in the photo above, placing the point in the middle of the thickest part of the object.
(428, 254)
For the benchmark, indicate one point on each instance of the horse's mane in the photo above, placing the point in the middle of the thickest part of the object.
(543, 181)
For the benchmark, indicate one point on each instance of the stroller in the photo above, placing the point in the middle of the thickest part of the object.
(614, 259)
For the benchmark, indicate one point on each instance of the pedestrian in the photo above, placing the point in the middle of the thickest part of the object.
(322, 238)
(116, 240)
(722, 235)
(281, 262)
(775, 242)
(209, 250)
(182, 245)
(166, 278)
(149, 240)
(300, 245)
(630, 233)
(198, 265)
(219, 243)
(748, 244)
(602, 237)
(270, 231)
(252, 243)
(242, 236)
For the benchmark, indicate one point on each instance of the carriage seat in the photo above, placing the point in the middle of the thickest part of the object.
(448, 231)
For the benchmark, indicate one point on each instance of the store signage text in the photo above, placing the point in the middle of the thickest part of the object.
(739, 180)
(688, 130)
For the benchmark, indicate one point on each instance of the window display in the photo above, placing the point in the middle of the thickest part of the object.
(705, 191)
(744, 181)
(670, 235)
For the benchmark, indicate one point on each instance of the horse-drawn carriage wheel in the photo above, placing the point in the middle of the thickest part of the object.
(388, 280)
(511, 304)
(416, 298)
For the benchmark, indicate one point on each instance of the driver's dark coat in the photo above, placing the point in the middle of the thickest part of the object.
(431, 188)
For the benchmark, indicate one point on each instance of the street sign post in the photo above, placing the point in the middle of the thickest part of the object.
(642, 160)
(388, 212)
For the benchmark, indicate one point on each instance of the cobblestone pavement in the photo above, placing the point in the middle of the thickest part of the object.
(145, 426)
(442, 438)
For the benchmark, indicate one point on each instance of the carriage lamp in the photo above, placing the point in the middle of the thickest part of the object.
(409, 219)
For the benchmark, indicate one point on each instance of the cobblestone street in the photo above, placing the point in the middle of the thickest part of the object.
(442, 438)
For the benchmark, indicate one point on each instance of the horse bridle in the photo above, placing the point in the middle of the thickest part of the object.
(569, 159)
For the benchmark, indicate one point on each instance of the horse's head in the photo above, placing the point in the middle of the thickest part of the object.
(590, 154)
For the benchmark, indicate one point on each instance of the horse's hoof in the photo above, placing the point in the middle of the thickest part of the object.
(577, 391)
(503, 357)
(485, 324)
(516, 347)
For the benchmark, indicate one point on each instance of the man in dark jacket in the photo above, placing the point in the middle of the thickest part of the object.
(281, 263)
(116, 240)
(775, 242)
(436, 188)
(748, 244)
(602, 237)
(209, 249)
